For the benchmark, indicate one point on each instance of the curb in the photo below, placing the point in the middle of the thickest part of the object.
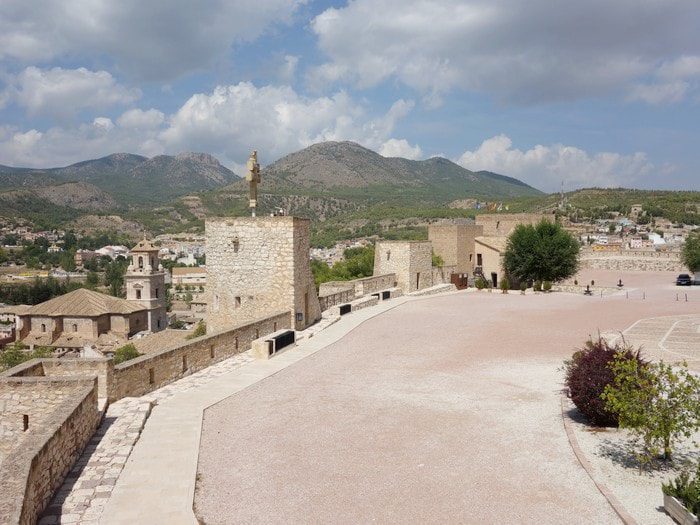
(619, 509)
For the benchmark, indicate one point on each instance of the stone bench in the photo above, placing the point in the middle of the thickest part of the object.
(272, 344)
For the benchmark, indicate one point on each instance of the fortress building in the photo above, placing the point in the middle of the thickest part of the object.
(258, 266)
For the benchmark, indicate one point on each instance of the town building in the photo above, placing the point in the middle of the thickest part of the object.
(189, 276)
(453, 241)
(81, 318)
(145, 284)
(489, 257)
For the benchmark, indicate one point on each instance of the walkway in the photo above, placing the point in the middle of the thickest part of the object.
(158, 482)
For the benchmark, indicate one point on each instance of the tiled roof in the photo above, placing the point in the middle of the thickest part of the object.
(84, 303)
(179, 270)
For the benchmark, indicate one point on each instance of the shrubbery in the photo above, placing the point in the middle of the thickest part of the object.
(537, 286)
(523, 287)
(686, 489)
(125, 353)
(657, 402)
(199, 331)
(505, 285)
(547, 286)
(589, 372)
(480, 283)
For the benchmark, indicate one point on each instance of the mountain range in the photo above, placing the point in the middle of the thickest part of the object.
(322, 181)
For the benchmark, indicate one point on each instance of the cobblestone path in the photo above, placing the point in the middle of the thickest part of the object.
(89, 485)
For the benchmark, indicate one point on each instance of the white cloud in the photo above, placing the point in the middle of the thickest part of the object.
(400, 148)
(535, 51)
(157, 39)
(140, 119)
(228, 122)
(61, 93)
(671, 82)
(545, 167)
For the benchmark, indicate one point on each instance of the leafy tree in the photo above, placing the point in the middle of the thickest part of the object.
(17, 354)
(114, 276)
(542, 252)
(188, 298)
(92, 279)
(3, 256)
(691, 252)
(657, 403)
(358, 263)
(125, 353)
(67, 261)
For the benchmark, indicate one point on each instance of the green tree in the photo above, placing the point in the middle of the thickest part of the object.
(17, 354)
(67, 261)
(125, 353)
(3, 256)
(657, 403)
(691, 252)
(114, 277)
(541, 252)
(188, 298)
(92, 279)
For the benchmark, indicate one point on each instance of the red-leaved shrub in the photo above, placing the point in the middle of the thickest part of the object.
(588, 373)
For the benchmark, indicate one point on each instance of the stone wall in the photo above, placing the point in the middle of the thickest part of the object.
(443, 274)
(410, 261)
(62, 417)
(376, 283)
(502, 224)
(455, 244)
(632, 261)
(331, 299)
(141, 375)
(257, 266)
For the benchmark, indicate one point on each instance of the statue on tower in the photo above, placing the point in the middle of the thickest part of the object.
(253, 178)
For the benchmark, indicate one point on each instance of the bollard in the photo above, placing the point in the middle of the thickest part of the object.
(644, 295)
(686, 298)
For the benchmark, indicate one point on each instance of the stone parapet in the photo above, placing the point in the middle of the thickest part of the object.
(331, 299)
(60, 416)
(144, 374)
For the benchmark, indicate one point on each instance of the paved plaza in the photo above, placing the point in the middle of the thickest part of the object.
(434, 409)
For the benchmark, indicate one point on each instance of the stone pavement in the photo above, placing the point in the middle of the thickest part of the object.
(157, 484)
(89, 485)
(671, 338)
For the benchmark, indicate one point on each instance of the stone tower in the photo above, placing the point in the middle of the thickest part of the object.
(256, 267)
(145, 283)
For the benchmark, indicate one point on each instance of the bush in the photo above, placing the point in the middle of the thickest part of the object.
(523, 286)
(505, 285)
(547, 286)
(199, 331)
(480, 283)
(686, 489)
(537, 286)
(16, 354)
(125, 353)
(588, 373)
(658, 403)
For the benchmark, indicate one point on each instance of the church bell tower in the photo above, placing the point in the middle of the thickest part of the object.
(145, 283)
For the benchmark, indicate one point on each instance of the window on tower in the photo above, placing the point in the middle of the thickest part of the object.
(138, 294)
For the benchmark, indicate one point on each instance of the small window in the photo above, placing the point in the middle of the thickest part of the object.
(157, 292)
(138, 294)
(257, 333)
(479, 261)
(75, 327)
(274, 326)
(237, 303)
(25, 422)
(43, 327)
(388, 255)
(211, 352)
(236, 343)
(140, 262)
(151, 376)
(158, 323)
(184, 363)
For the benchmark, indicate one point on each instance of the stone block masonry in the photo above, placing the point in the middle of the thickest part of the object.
(154, 370)
(61, 416)
(410, 261)
(257, 266)
(455, 244)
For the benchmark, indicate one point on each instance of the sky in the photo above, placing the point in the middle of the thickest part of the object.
(592, 93)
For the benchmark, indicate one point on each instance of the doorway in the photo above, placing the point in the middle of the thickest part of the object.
(494, 279)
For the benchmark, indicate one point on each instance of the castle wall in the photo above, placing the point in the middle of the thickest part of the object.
(455, 244)
(259, 266)
(410, 261)
(62, 416)
(502, 224)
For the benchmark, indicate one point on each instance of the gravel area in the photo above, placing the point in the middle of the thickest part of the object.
(445, 409)
(607, 451)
